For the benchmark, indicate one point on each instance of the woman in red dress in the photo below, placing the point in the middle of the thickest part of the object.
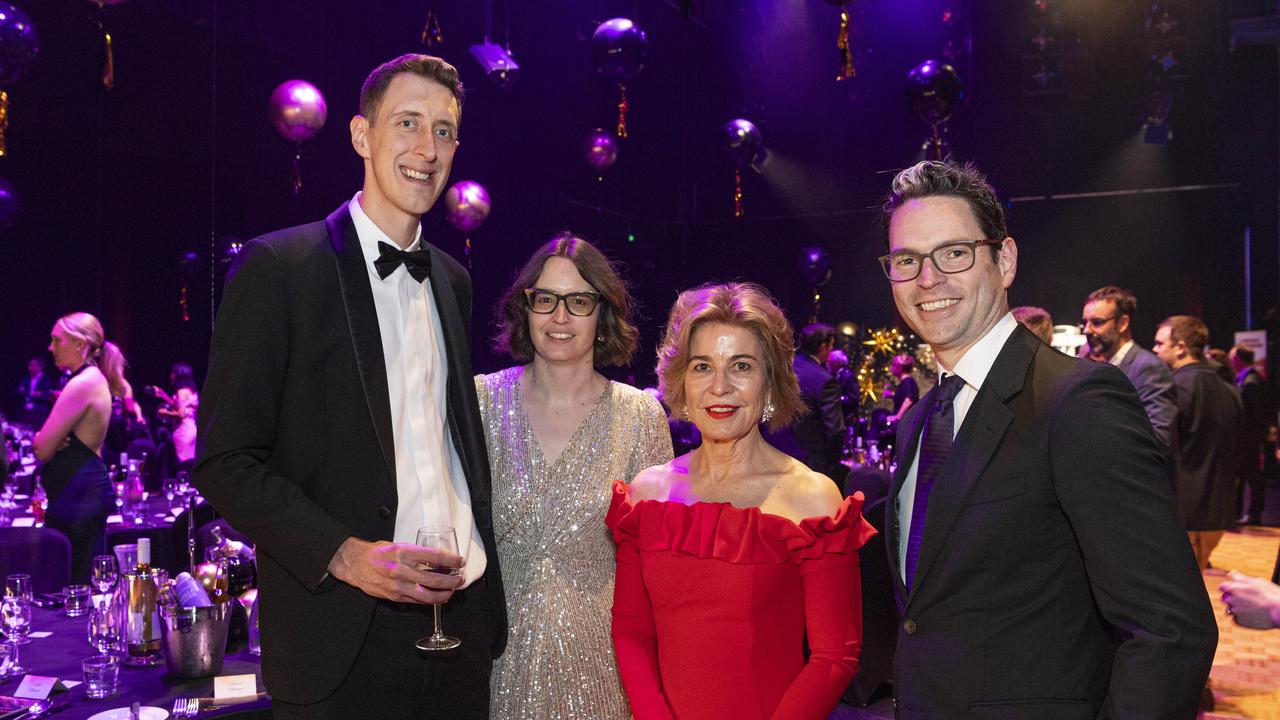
(733, 557)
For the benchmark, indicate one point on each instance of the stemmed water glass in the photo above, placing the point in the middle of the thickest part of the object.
(104, 574)
(19, 585)
(104, 629)
(15, 612)
(439, 538)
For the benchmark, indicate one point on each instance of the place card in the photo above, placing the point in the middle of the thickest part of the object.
(115, 519)
(27, 521)
(39, 634)
(230, 689)
(37, 687)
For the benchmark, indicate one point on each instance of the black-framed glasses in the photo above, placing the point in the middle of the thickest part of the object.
(950, 258)
(544, 302)
(1096, 322)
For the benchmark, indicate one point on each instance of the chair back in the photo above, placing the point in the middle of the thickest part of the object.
(42, 553)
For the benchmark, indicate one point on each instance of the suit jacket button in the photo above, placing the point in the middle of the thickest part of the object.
(909, 626)
(384, 512)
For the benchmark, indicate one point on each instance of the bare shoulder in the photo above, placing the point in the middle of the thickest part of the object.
(654, 482)
(809, 494)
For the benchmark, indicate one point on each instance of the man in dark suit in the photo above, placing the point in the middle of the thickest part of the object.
(340, 415)
(36, 393)
(816, 439)
(1039, 564)
(1107, 324)
(1259, 398)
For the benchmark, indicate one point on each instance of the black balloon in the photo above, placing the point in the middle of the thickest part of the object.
(743, 143)
(19, 44)
(618, 48)
(933, 91)
(815, 266)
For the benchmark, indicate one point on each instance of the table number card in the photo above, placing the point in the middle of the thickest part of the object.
(38, 687)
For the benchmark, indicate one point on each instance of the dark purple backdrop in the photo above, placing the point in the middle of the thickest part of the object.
(117, 186)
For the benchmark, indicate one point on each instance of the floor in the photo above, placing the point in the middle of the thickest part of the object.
(1246, 668)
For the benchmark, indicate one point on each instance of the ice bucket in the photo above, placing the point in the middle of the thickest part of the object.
(194, 639)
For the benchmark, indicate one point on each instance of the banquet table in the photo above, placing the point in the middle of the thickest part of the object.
(59, 655)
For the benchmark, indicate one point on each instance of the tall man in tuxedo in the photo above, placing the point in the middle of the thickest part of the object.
(340, 415)
(1039, 564)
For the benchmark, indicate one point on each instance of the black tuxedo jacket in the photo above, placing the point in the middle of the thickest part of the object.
(296, 442)
(1054, 579)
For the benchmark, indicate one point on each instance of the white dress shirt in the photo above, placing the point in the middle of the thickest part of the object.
(973, 368)
(1119, 356)
(431, 488)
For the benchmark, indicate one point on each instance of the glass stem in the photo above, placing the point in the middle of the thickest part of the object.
(437, 634)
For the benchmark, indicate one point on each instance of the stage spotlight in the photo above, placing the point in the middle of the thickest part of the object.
(497, 63)
(1157, 130)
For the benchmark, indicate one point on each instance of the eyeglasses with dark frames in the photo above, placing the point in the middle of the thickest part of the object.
(544, 302)
(1096, 322)
(949, 258)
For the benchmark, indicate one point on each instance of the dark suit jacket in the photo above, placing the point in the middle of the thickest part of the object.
(1154, 383)
(1054, 579)
(296, 442)
(817, 438)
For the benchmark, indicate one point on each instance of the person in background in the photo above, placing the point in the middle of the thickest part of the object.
(1037, 320)
(69, 444)
(734, 557)
(1258, 397)
(182, 406)
(558, 433)
(816, 438)
(847, 381)
(907, 391)
(1252, 602)
(1209, 433)
(35, 394)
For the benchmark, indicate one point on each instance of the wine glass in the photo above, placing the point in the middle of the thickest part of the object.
(104, 574)
(183, 481)
(16, 615)
(439, 538)
(104, 629)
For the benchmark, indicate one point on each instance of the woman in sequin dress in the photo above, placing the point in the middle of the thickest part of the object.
(733, 557)
(559, 433)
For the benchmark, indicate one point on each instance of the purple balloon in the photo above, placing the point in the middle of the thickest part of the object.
(618, 48)
(19, 44)
(298, 110)
(8, 205)
(600, 150)
(933, 91)
(466, 205)
(743, 143)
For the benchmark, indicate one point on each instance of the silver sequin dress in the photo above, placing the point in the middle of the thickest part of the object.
(556, 554)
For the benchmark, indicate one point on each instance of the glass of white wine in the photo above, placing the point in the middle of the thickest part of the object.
(438, 538)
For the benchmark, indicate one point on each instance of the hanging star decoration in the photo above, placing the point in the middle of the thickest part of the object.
(885, 341)
(880, 347)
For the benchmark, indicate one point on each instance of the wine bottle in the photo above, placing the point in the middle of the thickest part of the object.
(190, 592)
(142, 630)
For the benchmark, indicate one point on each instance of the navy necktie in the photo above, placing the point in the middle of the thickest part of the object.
(417, 262)
(935, 443)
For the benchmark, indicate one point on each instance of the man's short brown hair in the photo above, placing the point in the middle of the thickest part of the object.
(1189, 330)
(933, 178)
(426, 66)
(1126, 302)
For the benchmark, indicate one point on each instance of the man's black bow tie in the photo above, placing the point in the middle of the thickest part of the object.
(417, 262)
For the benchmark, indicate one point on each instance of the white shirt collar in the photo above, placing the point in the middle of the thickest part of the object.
(977, 361)
(1124, 350)
(370, 234)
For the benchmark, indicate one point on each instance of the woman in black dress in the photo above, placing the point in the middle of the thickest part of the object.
(70, 443)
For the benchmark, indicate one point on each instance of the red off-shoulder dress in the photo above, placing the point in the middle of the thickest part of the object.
(712, 605)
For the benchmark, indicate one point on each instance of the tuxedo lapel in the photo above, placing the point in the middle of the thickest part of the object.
(362, 322)
(457, 347)
(984, 427)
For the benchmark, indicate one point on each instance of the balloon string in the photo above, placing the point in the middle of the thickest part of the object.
(737, 193)
(109, 63)
(431, 33)
(467, 251)
(622, 110)
(847, 70)
(182, 303)
(296, 178)
(4, 122)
